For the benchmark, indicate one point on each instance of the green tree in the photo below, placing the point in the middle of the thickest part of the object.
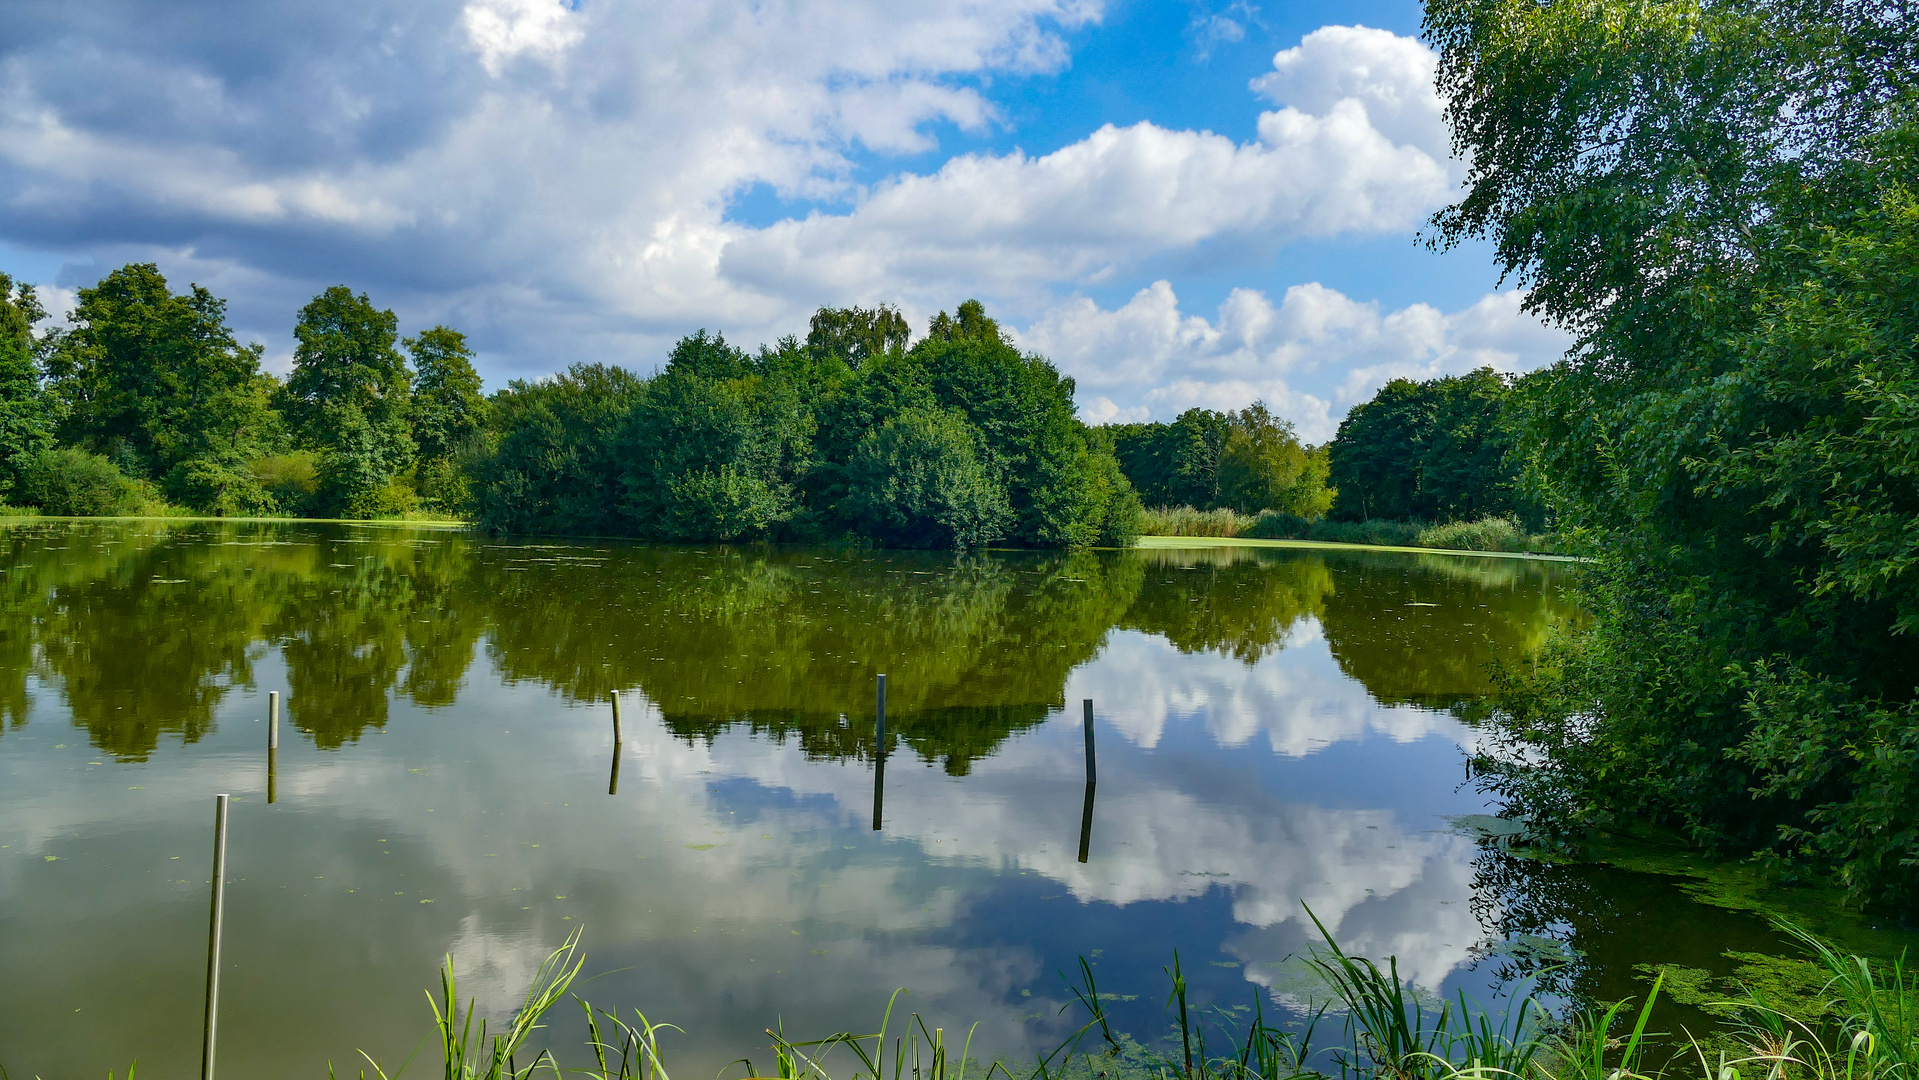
(1439, 450)
(348, 396)
(1264, 467)
(1719, 199)
(856, 335)
(156, 382)
(785, 443)
(714, 445)
(554, 465)
(26, 416)
(918, 482)
(448, 413)
(1175, 464)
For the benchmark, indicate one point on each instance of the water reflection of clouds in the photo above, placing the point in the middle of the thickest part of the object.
(1296, 696)
(1159, 836)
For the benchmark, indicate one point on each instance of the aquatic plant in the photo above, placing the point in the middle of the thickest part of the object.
(1391, 1032)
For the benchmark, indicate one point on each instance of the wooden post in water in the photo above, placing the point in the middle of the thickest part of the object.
(879, 752)
(1092, 768)
(619, 736)
(273, 745)
(213, 934)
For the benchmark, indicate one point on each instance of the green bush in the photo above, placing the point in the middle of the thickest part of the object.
(726, 504)
(1486, 534)
(292, 480)
(218, 487)
(1278, 525)
(394, 498)
(71, 482)
(918, 482)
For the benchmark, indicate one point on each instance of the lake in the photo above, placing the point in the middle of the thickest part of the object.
(1275, 730)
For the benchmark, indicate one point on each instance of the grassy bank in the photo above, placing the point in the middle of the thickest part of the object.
(1486, 534)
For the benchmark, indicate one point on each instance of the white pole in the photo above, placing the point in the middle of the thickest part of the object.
(213, 933)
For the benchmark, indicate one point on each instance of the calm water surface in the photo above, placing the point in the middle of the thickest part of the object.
(1276, 730)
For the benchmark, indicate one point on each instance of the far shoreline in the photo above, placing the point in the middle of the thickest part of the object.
(1144, 543)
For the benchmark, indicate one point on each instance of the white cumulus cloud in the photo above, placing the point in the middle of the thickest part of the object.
(558, 179)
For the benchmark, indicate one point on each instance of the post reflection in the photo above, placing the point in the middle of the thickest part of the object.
(1086, 821)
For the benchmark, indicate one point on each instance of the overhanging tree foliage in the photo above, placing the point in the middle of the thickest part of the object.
(1719, 199)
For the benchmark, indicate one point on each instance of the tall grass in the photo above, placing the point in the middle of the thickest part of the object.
(1390, 1032)
(1186, 521)
(1486, 534)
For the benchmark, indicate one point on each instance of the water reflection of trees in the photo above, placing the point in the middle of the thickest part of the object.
(1585, 931)
(1428, 629)
(144, 629)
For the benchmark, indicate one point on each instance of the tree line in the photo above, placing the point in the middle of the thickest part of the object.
(1441, 450)
(146, 401)
(958, 439)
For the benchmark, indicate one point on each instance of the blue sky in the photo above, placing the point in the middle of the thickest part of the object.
(1181, 203)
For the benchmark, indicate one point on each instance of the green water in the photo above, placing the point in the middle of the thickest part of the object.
(1275, 729)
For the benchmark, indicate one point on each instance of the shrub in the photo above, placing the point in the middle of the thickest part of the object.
(75, 483)
(1486, 534)
(1376, 533)
(1277, 525)
(394, 498)
(292, 480)
(218, 487)
(918, 482)
(725, 505)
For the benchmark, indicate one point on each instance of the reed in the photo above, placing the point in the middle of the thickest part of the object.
(1186, 521)
(1389, 1033)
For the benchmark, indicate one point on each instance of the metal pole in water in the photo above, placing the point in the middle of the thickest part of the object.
(613, 784)
(879, 754)
(273, 774)
(619, 735)
(213, 933)
(1092, 769)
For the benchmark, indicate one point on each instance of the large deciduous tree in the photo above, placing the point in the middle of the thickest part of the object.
(448, 413)
(26, 415)
(155, 381)
(348, 396)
